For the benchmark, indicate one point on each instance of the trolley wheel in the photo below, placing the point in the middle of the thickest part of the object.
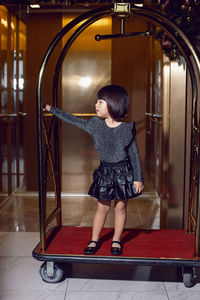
(52, 275)
(188, 276)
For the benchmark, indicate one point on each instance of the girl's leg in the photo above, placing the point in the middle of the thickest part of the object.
(120, 220)
(103, 208)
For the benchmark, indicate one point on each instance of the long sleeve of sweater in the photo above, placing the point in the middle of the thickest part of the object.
(135, 161)
(69, 118)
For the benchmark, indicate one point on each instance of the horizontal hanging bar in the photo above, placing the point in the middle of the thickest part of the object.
(99, 37)
(156, 115)
(20, 115)
(83, 115)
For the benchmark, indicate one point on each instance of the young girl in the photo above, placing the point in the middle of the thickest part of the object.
(119, 175)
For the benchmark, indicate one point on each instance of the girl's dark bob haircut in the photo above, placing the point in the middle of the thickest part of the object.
(117, 100)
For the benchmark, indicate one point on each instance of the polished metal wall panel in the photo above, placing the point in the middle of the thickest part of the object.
(12, 55)
(86, 68)
(176, 172)
(154, 112)
(164, 189)
(174, 135)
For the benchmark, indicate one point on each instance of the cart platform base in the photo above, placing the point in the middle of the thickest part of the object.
(140, 246)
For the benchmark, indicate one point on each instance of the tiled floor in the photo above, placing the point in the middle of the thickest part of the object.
(19, 272)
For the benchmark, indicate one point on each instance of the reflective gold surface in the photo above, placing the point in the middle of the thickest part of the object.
(173, 144)
(37, 44)
(154, 112)
(21, 212)
(165, 136)
(130, 69)
(176, 144)
(86, 68)
(12, 64)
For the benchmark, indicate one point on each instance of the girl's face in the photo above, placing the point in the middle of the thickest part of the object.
(102, 109)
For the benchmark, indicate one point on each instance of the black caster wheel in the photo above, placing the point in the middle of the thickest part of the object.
(51, 272)
(188, 274)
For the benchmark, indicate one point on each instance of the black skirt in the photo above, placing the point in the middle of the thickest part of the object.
(113, 181)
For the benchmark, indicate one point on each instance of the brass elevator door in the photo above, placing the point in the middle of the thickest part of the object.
(166, 134)
(86, 68)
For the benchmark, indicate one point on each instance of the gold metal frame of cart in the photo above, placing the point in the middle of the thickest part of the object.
(45, 134)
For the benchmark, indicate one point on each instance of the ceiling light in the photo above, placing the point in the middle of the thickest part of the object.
(138, 4)
(34, 5)
(4, 22)
(85, 81)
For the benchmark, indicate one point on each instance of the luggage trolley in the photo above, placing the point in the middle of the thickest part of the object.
(61, 244)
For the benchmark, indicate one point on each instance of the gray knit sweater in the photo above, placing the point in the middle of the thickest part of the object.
(112, 144)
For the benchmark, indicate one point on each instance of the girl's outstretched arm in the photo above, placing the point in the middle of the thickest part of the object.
(69, 118)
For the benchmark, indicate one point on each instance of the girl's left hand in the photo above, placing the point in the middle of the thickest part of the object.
(139, 186)
(47, 107)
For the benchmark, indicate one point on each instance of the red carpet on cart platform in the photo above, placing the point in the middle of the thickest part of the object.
(136, 242)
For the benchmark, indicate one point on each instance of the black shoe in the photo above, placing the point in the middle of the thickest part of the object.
(116, 250)
(91, 250)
